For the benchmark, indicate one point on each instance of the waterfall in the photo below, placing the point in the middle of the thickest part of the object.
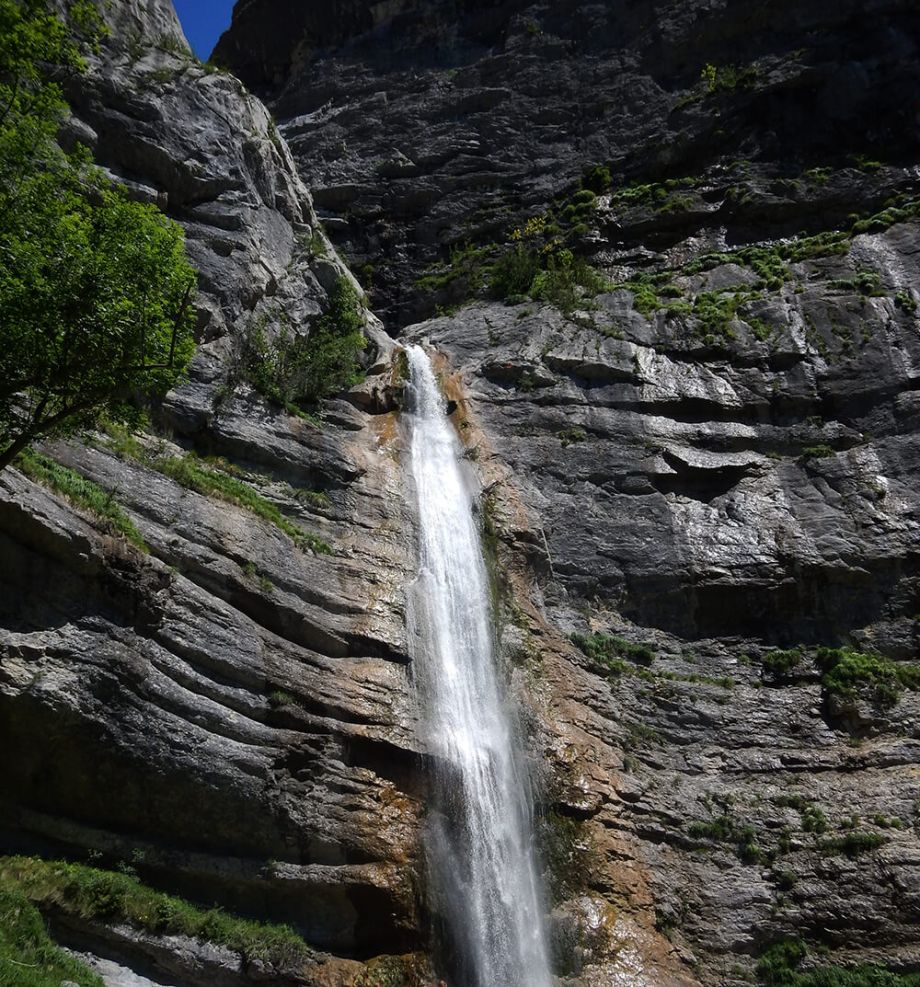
(479, 837)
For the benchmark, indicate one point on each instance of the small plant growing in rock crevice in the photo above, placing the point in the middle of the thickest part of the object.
(606, 650)
(727, 829)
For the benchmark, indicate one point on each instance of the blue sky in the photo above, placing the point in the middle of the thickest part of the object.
(203, 22)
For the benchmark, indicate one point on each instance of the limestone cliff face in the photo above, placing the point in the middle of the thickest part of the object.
(422, 125)
(713, 460)
(713, 470)
(231, 709)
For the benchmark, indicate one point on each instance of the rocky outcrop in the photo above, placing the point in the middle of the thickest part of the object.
(713, 493)
(229, 708)
(423, 126)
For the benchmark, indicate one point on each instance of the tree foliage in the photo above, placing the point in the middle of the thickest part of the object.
(95, 288)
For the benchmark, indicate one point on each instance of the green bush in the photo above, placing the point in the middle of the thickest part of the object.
(720, 829)
(557, 277)
(597, 179)
(813, 819)
(778, 664)
(716, 78)
(514, 271)
(867, 283)
(298, 371)
(848, 672)
(560, 282)
(727, 829)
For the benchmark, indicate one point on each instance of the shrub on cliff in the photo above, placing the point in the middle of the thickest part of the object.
(555, 276)
(779, 967)
(297, 370)
(94, 288)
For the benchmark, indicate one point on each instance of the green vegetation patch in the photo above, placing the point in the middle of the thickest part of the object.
(664, 197)
(727, 78)
(779, 664)
(555, 276)
(897, 213)
(28, 957)
(89, 893)
(537, 260)
(298, 371)
(608, 651)
(779, 966)
(713, 312)
(868, 283)
(564, 849)
(466, 269)
(727, 829)
(192, 473)
(81, 492)
(770, 262)
(847, 672)
(855, 843)
(822, 451)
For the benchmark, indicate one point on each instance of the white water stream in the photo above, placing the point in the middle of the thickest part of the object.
(480, 834)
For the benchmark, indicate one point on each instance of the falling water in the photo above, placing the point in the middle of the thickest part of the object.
(484, 885)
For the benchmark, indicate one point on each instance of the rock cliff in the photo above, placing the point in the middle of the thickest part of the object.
(228, 707)
(702, 468)
(707, 460)
(421, 126)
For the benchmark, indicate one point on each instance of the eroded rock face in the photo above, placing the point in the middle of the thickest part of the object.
(230, 712)
(713, 497)
(423, 125)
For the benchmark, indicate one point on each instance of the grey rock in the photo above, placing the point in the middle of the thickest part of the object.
(433, 125)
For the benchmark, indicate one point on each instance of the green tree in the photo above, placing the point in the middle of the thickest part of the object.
(95, 289)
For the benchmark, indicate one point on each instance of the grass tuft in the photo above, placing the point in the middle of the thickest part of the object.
(89, 893)
(81, 492)
(28, 957)
(193, 474)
